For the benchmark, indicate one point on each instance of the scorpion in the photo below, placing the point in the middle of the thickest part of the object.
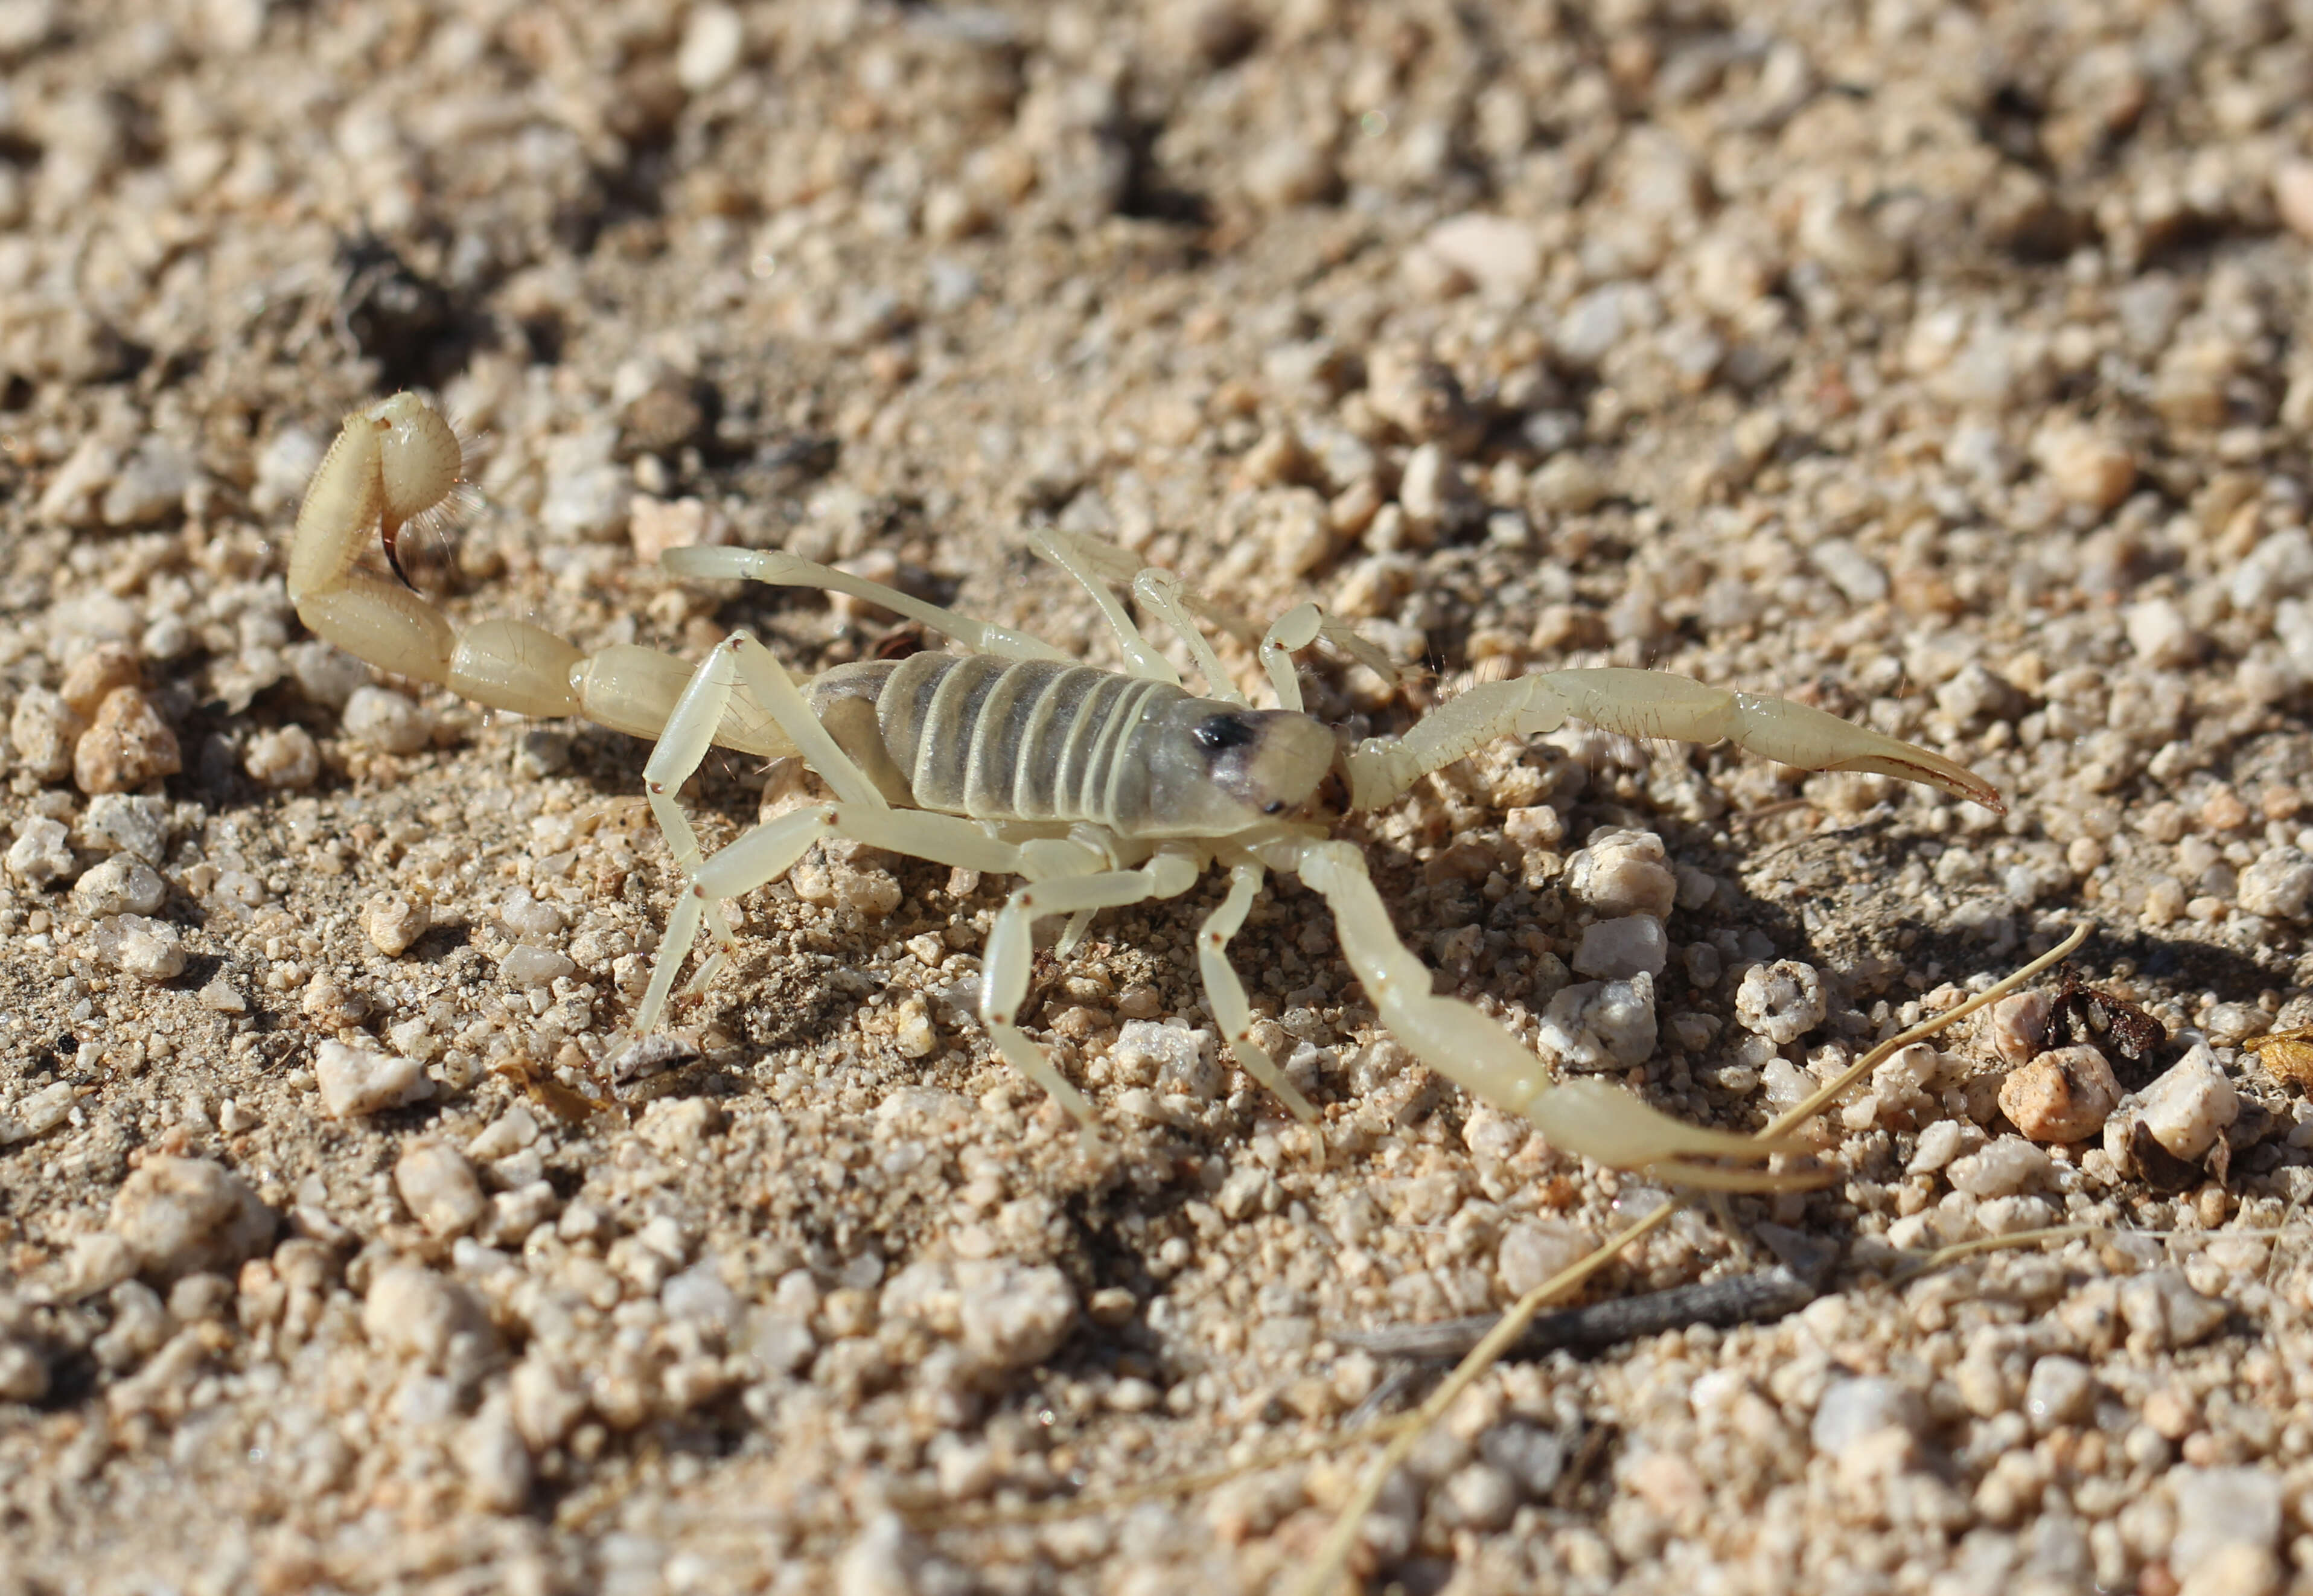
(1097, 788)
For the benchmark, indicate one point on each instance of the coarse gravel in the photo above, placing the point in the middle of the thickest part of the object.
(1936, 365)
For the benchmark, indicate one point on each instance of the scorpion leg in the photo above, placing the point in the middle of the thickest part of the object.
(1647, 704)
(1230, 1007)
(1159, 592)
(1141, 660)
(1588, 1116)
(1010, 956)
(779, 569)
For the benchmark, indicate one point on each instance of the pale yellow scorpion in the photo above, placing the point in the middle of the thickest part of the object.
(1096, 788)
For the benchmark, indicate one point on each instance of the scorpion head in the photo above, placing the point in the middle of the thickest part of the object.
(1218, 768)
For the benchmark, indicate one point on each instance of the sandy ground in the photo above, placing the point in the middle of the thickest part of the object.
(1936, 366)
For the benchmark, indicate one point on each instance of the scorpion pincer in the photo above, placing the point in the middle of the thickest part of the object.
(1096, 788)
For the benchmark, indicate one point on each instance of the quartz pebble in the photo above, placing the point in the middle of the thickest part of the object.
(135, 945)
(1854, 1410)
(1629, 944)
(1533, 1251)
(525, 965)
(438, 1188)
(284, 757)
(2188, 1107)
(119, 886)
(133, 823)
(394, 923)
(2220, 1510)
(2004, 1166)
(1170, 1054)
(1782, 1002)
(180, 1216)
(2061, 1391)
(2278, 884)
(1622, 873)
(2018, 1024)
(383, 718)
(355, 1082)
(2162, 1306)
(44, 730)
(127, 745)
(96, 673)
(39, 854)
(415, 1313)
(2064, 1095)
(1600, 1025)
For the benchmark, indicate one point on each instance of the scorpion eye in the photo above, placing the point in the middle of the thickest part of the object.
(1224, 731)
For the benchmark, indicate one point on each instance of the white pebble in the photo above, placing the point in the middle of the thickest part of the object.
(2219, 1508)
(884, 1560)
(284, 757)
(183, 1216)
(383, 718)
(1629, 944)
(39, 854)
(495, 1459)
(1179, 1059)
(1532, 1250)
(2190, 1106)
(2162, 1306)
(44, 730)
(1500, 255)
(1010, 1315)
(713, 42)
(1853, 1410)
(131, 822)
(119, 886)
(2064, 1095)
(1600, 1025)
(438, 1188)
(1623, 872)
(415, 1313)
(507, 1135)
(1939, 1144)
(2278, 884)
(525, 965)
(2159, 633)
(2061, 1391)
(544, 1401)
(23, 1372)
(2019, 1024)
(149, 949)
(1782, 1002)
(355, 1081)
(2007, 1164)
(394, 923)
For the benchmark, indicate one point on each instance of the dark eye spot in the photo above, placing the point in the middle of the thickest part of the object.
(1224, 731)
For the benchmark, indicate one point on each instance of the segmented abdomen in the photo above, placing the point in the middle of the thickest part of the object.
(1031, 739)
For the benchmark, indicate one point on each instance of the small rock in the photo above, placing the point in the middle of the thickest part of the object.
(183, 1216)
(1290, 172)
(496, 1460)
(528, 966)
(1169, 1056)
(150, 487)
(1782, 1002)
(2278, 884)
(2003, 1167)
(39, 854)
(2019, 1024)
(2062, 1095)
(1594, 1025)
(134, 945)
(135, 823)
(2218, 1509)
(383, 718)
(2160, 634)
(2292, 195)
(1853, 1410)
(1533, 1251)
(415, 1313)
(23, 1372)
(1629, 944)
(546, 1404)
(354, 1081)
(2085, 467)
(127, 745)
(44, 730)
(2162, 1306)
(503, 1136)
(119, 886)
(655, 526)
(713, 42)
(284, 757)
(393, 922)
(219, 997)
(1502, 256)
(884, 1560)
(438, 1188)
(96, 673)
(2061, 1391)
(1012, 1315)
(1623, 872)
(2187, 1108)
